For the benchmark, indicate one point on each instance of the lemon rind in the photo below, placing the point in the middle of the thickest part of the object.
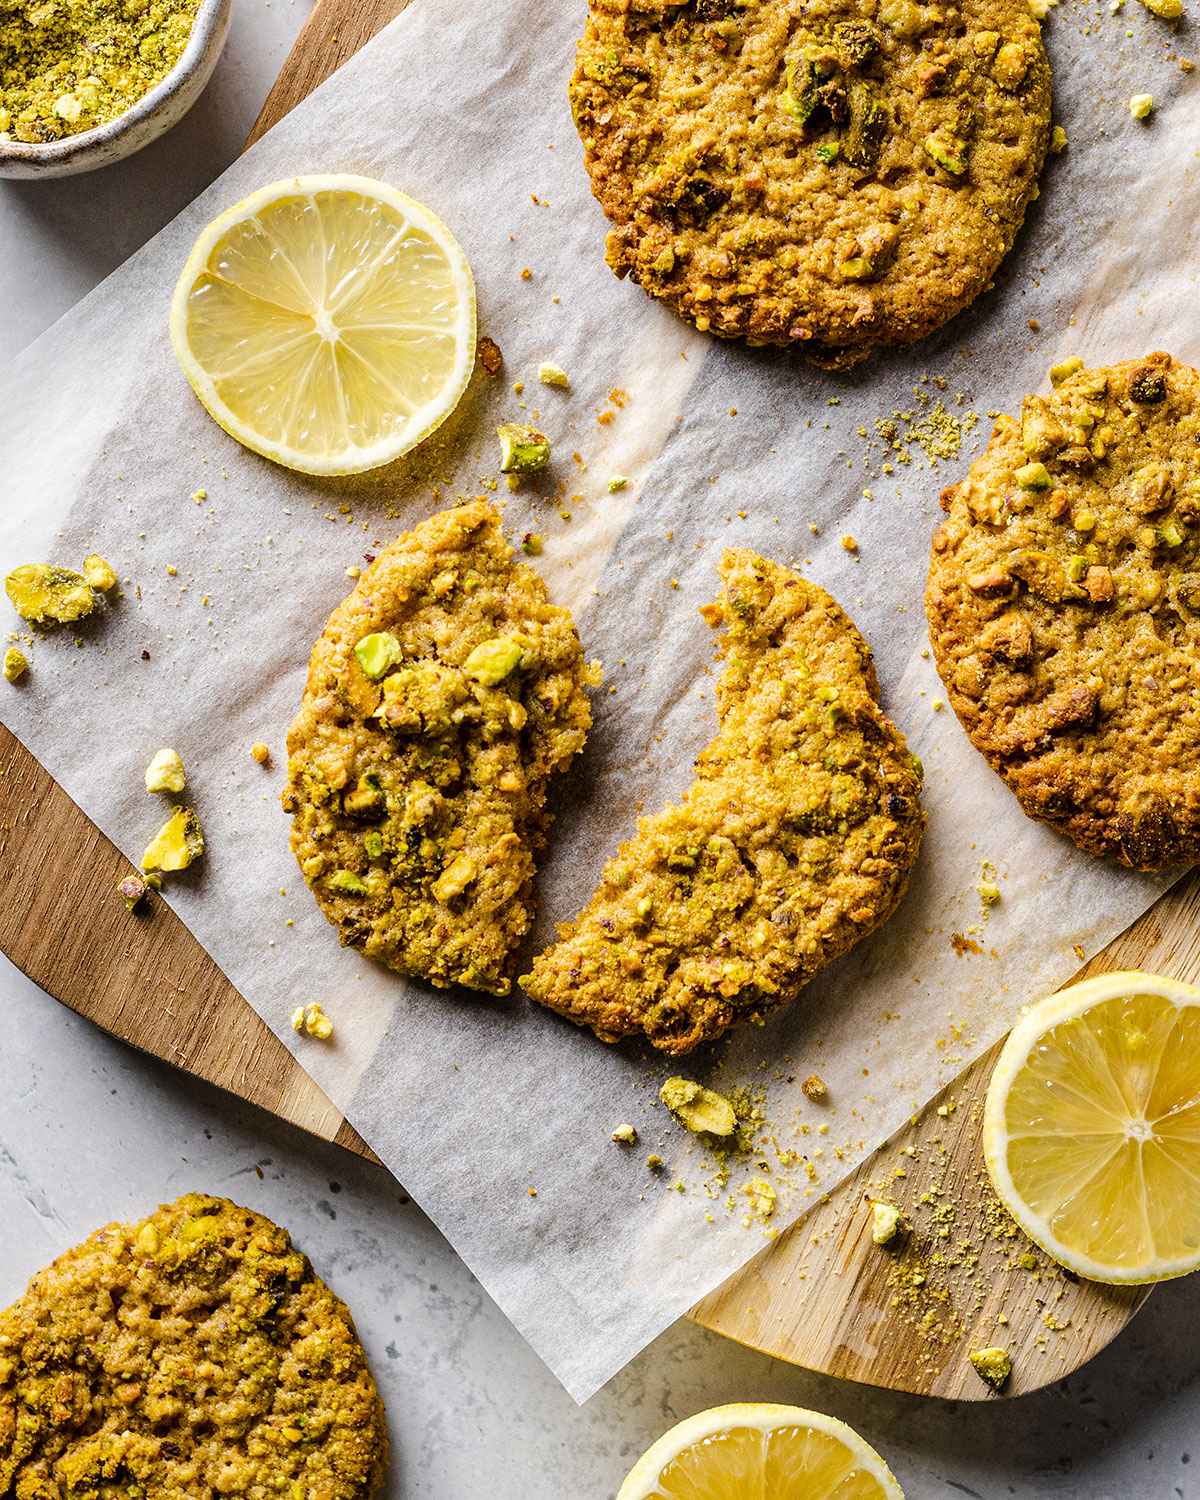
(416, 430)
(1038, 1019)
(764, 1416)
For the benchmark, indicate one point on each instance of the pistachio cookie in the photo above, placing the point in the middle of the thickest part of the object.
(443, 695)
(191, 1353)
(840, 176)
(795, 840)
(1064, 607)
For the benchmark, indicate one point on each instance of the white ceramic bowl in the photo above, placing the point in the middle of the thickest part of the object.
(144, 121)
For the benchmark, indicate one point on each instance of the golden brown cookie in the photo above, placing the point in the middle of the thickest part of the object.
(191, 1353)
(1064, 607)
(795, 840)
(840, 175)
(443, 695)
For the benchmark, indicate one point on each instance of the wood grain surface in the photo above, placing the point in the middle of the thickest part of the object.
(822, 1295)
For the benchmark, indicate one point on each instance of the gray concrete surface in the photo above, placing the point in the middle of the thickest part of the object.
(91, 1131)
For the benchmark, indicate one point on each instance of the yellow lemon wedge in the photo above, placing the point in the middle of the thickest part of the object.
(327, 322)
(750, 1451)
(1091, 1130)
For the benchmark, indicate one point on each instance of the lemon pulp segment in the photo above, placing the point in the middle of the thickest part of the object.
(327, 323)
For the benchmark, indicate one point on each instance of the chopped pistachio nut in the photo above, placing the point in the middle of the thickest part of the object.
(857, 268)
(700, 1110)
(177, 844)
(762, 1197)
(993, 1366)
(1010, 66)
(1140, 106)
(1169, 535)
(312, 1020)
(454, 879)
(555, 375)
(1040, 9)
(815, 1088)
(43, 591)
(1033, 476)
(99, 573)
(16, 664)
(1058, 140)
(492, 661)
(885, 1221)
(347, 883)
(849, 543)
(1065, 369)
(617, 483)
(260, 752)
(625, 1135)
(523, 450)
(165, 772)
(1084, 520)
(378, 653)
(655, 1162)
(989, 892)
(532, 544)
(948, 152)
(133, 889)
(828, 152)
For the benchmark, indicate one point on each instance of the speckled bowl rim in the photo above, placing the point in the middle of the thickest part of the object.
(210, 17)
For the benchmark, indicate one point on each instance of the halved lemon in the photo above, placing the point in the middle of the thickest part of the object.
(327, 322)
(758, 1451)
(1091, 1131)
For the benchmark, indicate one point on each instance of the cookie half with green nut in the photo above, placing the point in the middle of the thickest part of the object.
(1064, 607)
(443, 696)
(192, 1352)
(795, 840)
(840, 178)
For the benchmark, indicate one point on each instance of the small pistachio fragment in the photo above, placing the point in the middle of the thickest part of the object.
(260, 753)
(16, 664)
(815, 1088)
(492, 661)
(992, 1365)
(700, 1110)
(378, 653)
(947, 151)
(828, 152)
(532, 544)
(133, 889)
(454, 879)
(311, 1020)
(1065, 369)
(625, 1135)
(165, 772)
(1169, 535)
(1076, 568)
(523, 450)
(43, 592)
(1033, 476)
(762, 1196)
(347, 883)
(857, 268)
(1140, 106)
(1058, 140)
(1084, 520)
(869, 118)
(99, 573)
(885, 1221)
(554, 375)
(664, 262)
(1010, 66)
(177, 844)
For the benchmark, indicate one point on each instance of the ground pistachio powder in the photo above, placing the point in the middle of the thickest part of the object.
(69, 65)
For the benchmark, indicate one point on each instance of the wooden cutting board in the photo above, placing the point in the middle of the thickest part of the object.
(822, 1295)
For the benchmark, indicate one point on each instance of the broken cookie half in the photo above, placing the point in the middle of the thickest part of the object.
(795, 840)
(443, 695)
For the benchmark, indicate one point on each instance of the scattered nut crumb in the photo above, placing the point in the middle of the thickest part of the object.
(165, 772)
(313, 1021)
(625, 1135)
(815, 1088)
(1140, 106)
(992, 1365)
(260, 752)
(16, 664)
(554, 375)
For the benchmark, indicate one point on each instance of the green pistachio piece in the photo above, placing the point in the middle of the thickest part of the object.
(828, 152)
(1065, 369)
(948, 152)
(993, 1366)
(99, 574)
(1076, 568)
(1169, 535)
(177, 844)
(1034, 476)
(523, 450)
(44, 592)
(857, 268)
(492, 661)
(868, 125)
(16, 664)
(373, 844)
(700, 1110)
(347, 883)
(378, 653)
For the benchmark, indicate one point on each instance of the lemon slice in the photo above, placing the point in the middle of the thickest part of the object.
(327, 322)
(757, 1450)
(1091, 1131)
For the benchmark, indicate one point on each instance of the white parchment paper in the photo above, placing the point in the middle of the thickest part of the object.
(472, 1102)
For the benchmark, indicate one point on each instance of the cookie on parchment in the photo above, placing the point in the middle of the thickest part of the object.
(839, 175)
(795, 840)
(1064, 607)
(442, 696)
(192, 1353)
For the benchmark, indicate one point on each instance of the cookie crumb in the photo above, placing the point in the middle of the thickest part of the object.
(260, 752)
(815, 1088)
(311, 1020)
(1141, 105)
(625, 1135)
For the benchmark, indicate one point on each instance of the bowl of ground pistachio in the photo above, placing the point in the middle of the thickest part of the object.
(84, 83)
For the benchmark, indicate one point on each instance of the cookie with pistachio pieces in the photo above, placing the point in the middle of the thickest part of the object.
(795, 840)
(193, 1352)
(1064, 607)
(443, 695)
(839, 176)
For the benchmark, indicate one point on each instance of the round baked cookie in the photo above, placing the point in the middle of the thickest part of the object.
(192, 1354)
(837, 174)
(1064, 607)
